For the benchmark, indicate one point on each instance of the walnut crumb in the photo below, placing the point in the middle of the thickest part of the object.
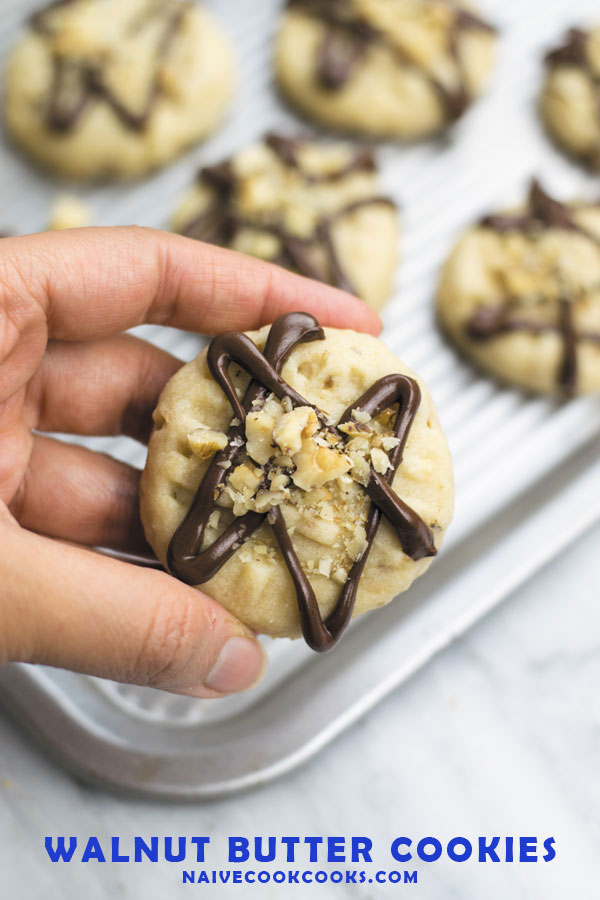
(340, 575)
(259, 436)
(246, 480)
(213, 519)
(204, 442)
(293, 427)
(380, 460)
(353, 428)
(359, 415)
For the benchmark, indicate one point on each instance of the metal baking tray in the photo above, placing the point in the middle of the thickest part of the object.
(527, 469)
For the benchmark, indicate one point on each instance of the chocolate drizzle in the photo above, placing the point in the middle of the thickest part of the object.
(189, 562)
(574, 52)
(348, 37)
(314, 255)
(78, 83)
(489, 322)
(542, 212)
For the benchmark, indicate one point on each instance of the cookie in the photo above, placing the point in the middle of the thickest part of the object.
(520, 295)
(311, 207)
(116, 88)
(68, 212)
(570, 101)
(299, 475)
(403, 68)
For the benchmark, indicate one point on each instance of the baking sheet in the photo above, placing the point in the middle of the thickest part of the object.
(522, 464)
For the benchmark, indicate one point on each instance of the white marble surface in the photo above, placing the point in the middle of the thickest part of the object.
(499, 735)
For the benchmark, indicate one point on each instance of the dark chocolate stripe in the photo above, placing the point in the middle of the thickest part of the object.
(348, 37)
(492, 321)
(77, 84)
(543, 212)
(288, 150)
(185, 557)
(315, 255)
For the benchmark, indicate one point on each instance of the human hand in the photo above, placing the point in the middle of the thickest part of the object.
(64, 367)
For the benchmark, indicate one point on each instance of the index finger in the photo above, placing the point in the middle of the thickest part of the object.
(94, 282)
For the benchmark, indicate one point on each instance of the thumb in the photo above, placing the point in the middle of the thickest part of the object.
(65, 606)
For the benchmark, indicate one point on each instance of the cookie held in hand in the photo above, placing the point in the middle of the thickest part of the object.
(520, 295)
(312, 207)
(298, 475)
(116, 88)
(386, 68)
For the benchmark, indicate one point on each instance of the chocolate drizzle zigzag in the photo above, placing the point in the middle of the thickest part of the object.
(490, 322)
(189, 562)
(77, 83)
(314, 256)
(349, 36)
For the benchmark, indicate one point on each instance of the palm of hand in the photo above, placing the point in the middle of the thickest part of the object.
(66, 367)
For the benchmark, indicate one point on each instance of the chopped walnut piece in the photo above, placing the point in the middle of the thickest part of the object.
(360, 444)
(345, 482)
(293, 426)
(68, 212)
(204, 442)
(386, 418)
(213, 519)
(275, 407)
(325, 567)
(358, 543)
(380, 460)
(224, 500)
(353, 428)
(389, 441)
(361, 469)
(359, 415)
(279, 481)
(317, 465)
(340, 575)
(245, 479)
(259, 436)
(266, 500)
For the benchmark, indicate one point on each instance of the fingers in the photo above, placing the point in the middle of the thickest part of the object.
(68, 607)
(108, 386)
(94, 282)
(70, 492)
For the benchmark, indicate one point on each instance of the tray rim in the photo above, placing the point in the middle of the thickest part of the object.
(98, 756)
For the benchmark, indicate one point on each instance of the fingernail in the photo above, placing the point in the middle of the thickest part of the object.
(239, 666)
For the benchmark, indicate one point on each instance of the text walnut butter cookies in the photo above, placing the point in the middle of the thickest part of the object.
(116, 88)
(298, 475)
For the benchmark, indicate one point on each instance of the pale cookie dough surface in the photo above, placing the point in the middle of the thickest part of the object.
(543, 279)
(325, 520)
(312, 207)
(116, 88)
(404, 68)
(570, 101)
